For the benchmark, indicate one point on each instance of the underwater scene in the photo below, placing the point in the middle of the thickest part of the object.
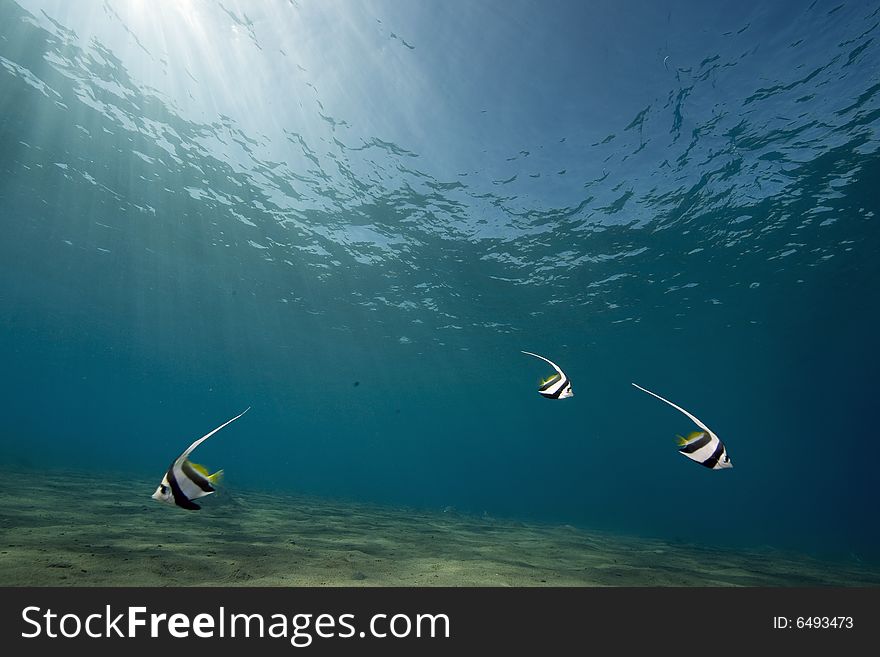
(462, 293)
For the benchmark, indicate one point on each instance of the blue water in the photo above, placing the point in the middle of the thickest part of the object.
(353, 216)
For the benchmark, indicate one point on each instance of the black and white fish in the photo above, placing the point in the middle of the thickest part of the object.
(704, 446)
(555, 386)
(186, 481)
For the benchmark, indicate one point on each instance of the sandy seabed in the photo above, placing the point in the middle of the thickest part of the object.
(65, 529)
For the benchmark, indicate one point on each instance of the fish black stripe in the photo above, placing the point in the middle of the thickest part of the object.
(712, 461)
(179, 498)
(690, 448)
(196, 477)
(555, 395)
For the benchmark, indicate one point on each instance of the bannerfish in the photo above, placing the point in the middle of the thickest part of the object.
(186, 481)
(555, 386)
(704, 446)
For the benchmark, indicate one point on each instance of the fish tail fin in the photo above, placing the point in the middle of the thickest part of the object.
(216, 478)
(681, 440)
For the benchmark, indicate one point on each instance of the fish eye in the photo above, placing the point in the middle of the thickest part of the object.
(163, 488)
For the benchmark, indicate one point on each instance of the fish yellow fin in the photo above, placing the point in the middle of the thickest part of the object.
(552, 377)
(216, 478)
(691, 437)
(202, 470)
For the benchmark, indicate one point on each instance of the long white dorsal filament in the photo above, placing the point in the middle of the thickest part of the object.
(189, 449)
(554, 365)
(691, 416)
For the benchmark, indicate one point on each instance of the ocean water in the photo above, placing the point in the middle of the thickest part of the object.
(353, 216)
